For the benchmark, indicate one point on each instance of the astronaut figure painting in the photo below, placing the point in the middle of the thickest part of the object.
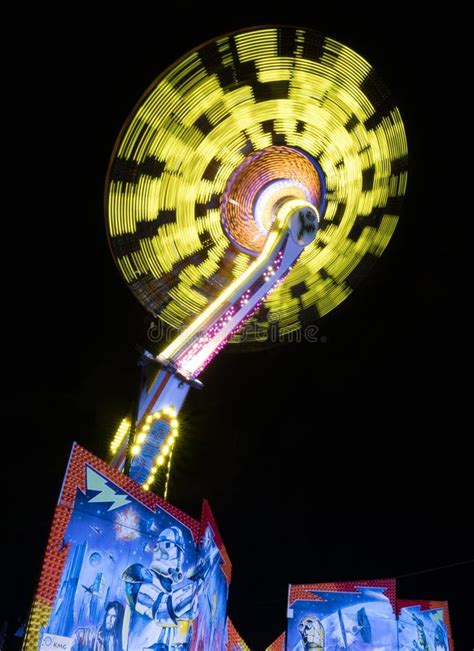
(134, 575)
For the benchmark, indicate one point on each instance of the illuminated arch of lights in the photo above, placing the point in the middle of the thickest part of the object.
(168, 415)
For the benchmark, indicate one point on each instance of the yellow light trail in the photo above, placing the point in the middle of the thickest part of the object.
(197, 124)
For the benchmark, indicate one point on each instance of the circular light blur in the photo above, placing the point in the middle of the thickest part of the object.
(179, 235)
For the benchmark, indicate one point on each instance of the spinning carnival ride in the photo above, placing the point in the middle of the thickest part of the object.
(253, 184)
(255, 181)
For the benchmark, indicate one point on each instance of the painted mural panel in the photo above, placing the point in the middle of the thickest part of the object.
(423, 629)
(342, 616)
(211, 576)
(124, 570)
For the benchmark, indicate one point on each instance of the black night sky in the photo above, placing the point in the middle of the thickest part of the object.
(336, 461)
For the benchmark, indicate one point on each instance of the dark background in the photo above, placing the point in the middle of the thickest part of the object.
(335, 461)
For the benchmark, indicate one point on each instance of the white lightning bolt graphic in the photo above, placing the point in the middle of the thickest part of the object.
(96, 482)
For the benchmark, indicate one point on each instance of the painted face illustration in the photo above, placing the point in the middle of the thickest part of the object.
(110, 619)
(311, 631)
(168, 553)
